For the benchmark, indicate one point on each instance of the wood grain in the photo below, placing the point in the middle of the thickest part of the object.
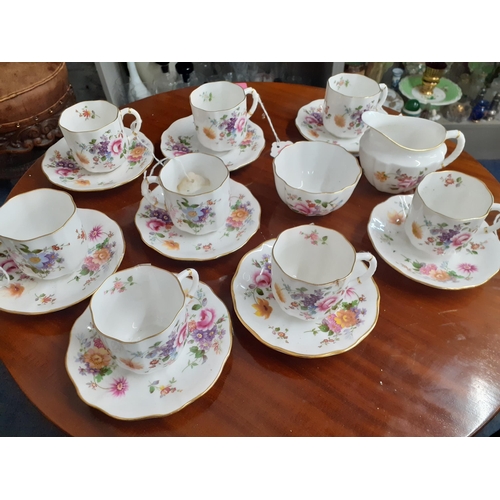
(431, 366)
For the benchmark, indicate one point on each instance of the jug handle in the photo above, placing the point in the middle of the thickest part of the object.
(454, 134)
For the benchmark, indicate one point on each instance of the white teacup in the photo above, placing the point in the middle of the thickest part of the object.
(220, 114)
(43, 233)
(95, 134)
(195, 192)
(312, 267)
(347, 97)
(447, 210)
(140, 314)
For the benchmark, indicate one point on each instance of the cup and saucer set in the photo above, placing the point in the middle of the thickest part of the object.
(85, 161)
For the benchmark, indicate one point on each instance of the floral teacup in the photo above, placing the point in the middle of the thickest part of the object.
(312, 268)
(141, 314)
(95, 134)
(43, 234)
(447, 209)
(315, 178)
(347, 97)
(195, 192)
(220, 114)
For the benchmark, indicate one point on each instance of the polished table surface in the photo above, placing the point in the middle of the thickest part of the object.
(430, 367)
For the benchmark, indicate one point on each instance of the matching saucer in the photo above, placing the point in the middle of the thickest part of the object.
(26, 295)
(474, 265)
(180, 138)
(61, 169)
(125, 395)
(158, 232)
(309, 121)
(351, 321)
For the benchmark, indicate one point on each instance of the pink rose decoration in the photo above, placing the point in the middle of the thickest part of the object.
(65, 171)
(207, 319)
(116, 147)
(155, 225)
(460, 239)
(240, 124)
(427, 269)
(181, 337)
(330, 322)
(325, 304)
(262, 278)
(303, 208)
(8, 265)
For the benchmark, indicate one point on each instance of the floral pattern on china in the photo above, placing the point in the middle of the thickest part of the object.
(311, 207)
(342, 316)
(205, 331)
(351, 118)
(104, 151)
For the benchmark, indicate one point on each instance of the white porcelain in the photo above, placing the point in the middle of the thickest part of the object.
(105, 250)
(309, 122)
(220, 114)
(140, 315)
(180, 139)
(61, 169)
(157, 230)
(315, 178)
(349, 321)
(42, 231)
(101, 383)
(195, 192)
(347, 97)
(313, 266)
(396, 152)
(476, 262)
(95, 134)
(448, 209)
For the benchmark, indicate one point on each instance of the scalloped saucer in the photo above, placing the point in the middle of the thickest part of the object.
(158, 232)
(125, 395)
(472, 266)
(309, 122)
(180, 138)
(106, 247)
(344, 328)
(61, 169)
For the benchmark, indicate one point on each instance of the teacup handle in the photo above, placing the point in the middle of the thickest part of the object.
(496, 224)
(6, 274)
(135, 126)
(454, 134)
(372, 266)
(194, 282)
(151, 179)
(255, 100)
(383, 96)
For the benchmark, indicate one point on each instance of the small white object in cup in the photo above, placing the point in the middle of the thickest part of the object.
(193, 183)
(95, 134)
(447, 210)
(312, 267)
(141, 314)
(43, 233)
(315, 178)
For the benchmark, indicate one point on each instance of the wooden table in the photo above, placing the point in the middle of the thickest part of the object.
(430, 367)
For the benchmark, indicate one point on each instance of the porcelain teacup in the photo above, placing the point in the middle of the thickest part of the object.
(95, 134)
(195, 192)
(347, 97)
(312, 268)
(315, 178)
(140, 314)
(447, 211)
(220, 114)
(42, 233)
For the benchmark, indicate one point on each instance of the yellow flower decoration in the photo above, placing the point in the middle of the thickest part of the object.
(416, 230)
(279, 293)
(262, 308)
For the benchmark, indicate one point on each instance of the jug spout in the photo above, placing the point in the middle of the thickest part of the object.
(406, 132)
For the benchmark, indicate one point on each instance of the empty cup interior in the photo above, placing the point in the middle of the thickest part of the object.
(88, 116)
(36, 213)
(137, 303)
(217, 96)
(207, 171)
(317, 167)
(455, 195)
(352, 85)
(314, 254)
